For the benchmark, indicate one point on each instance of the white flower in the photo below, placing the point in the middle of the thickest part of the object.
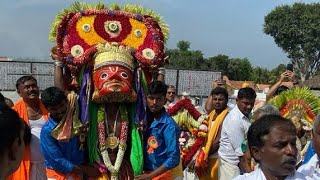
(111, 26)
(138, 33)
(86, 28)
(203, 127)
(148, 53)
(77, 51)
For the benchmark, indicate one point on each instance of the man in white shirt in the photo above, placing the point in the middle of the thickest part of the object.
(272, 143)
(233, 133)
(311, 170)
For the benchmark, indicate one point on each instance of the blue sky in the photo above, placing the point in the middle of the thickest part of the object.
(230, 27)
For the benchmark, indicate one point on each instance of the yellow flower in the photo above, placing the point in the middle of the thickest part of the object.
(137, 35)
(87, 32)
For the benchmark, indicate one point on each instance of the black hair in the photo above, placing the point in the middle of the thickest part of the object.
(23, 79)
(170, 86)
(157, 87)
(263, 126)
(280, 89)
(10, 127)
(2, 99)
(247, 93)
(220, 90)
(52, 96)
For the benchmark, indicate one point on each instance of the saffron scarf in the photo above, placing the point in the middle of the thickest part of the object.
(214, 125)
(52, 174)
(22, 173)
(70, 125)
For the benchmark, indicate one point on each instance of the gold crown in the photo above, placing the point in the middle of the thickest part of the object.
(109, 54)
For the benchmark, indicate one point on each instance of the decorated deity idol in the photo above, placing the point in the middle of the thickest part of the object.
(109, 55)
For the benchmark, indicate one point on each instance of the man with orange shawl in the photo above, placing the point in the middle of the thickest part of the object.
(32, 111)
(207, 159)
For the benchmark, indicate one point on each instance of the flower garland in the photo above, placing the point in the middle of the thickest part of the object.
(184, 103)
(200, 140)
(191, 141)
(113, 169)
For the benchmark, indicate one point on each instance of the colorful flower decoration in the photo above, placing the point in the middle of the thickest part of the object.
(78, 29)
(153, 144)
(194, 128)
(298, 103)
(114, 50)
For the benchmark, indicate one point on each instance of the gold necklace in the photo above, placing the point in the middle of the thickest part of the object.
(112, 140)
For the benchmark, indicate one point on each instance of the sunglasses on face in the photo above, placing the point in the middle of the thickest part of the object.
(171, 92)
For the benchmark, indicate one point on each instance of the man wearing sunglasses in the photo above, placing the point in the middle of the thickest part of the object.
(170, 97)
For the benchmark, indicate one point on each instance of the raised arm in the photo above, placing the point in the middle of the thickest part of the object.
(273, 88)
(58, 69)
(208, 106)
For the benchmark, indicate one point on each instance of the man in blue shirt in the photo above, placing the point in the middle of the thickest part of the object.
(63, 159)
(161, 146)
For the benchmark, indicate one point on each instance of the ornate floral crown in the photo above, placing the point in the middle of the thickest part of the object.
(300, 103)
(79, 29)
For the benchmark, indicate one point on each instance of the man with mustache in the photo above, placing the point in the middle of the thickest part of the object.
(234, 129)
(32, 111)
(219, 97)
(63, 159)
(272, 143)
(171, 97)
(209, 105)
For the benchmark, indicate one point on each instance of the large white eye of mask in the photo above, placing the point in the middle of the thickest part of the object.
(104, 75)
(124, 75)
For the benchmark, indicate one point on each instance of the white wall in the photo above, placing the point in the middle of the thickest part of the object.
(13, 95)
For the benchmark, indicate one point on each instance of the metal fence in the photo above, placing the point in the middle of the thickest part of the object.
(11, 71)
(197, 83)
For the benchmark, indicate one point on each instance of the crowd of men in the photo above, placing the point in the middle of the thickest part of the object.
(237, 146)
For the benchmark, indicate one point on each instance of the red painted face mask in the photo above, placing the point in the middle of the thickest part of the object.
(113, 83)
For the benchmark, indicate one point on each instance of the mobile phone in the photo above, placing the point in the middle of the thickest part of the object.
(290, 67)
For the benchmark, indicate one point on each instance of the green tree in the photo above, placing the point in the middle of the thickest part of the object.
(183, 45)
(183, 58)
(219, 63)
(296, 29)
(261, 75)
(239, 69)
